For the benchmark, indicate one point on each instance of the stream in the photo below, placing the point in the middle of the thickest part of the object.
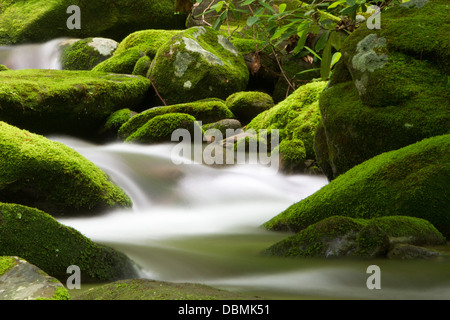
(199, 224)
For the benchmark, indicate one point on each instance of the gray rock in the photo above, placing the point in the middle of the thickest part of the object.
(27, 282)
(409, 252)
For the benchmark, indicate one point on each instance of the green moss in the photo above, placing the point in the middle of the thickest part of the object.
(143, 289)
(61, 293)
(117, 119)
(3, 68)
(42, 20)
(339, 236)
(82, 55)
(142, 66)
(246, 105)
(31, 166)
(196, 64)
(6, 264)
(297, 116)
(38, 238)
(69, 102)
(410, 181)
(135, 48)
(292, 155)
(206, 111)
(160, 128)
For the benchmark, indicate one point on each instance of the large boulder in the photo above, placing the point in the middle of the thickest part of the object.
(41, 240)
(139, 46)
(67, 102)
(42, 20)
(85, 54)
(390, 88)
(198, 63)
(411, 181)
(48, 175)
(339, 236)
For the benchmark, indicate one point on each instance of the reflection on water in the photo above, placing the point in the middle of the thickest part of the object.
(192, 223)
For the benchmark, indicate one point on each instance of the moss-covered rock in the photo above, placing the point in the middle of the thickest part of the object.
(297, 116)
(42, 20)
(115, 121)
(40, 173)
(339, 236)
(70, 102)
(160, 128)
(394, 82)
(144, 289)
(411, 181)
(206, 111)
(134, 48)
(246, 105)
(198, 63)
(3, 68)
(232, 125)
(292, 155)
(41, 240)
(85, 54)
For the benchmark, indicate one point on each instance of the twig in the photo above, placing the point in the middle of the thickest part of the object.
(157, 93)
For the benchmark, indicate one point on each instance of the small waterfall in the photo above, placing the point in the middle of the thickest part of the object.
(33, 56)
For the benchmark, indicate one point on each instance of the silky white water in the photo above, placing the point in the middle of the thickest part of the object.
(193, 223)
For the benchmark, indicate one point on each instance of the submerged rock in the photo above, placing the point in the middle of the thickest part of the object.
(389, 89)
(41, 240)
(40, 173)
(24, 281)
(67, 102)
(198, 63)
(411, 181)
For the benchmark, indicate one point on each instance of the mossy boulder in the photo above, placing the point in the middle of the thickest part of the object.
(85, 54)
(292, 155)
(42, 20)
(206, 111)
(48, 175)
(145, 289)
(232, 125)
(160, 128)
(41, 240)
(248, 104)
(339, 236)
(390, 88)
(136, 51)
(67, 102)
(3, 68)
(411, 181)
(115, 121)
(198, 63)
(297, 118)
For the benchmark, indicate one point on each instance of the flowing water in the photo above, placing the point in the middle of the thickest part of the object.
(194, 223)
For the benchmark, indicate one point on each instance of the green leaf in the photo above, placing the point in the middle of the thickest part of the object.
(247, 2)
(336, 3)
(282, 7)
(351, 3)
(218, 6)
(335, 58)
(322, 41)
(252, 20)
(312, 51)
